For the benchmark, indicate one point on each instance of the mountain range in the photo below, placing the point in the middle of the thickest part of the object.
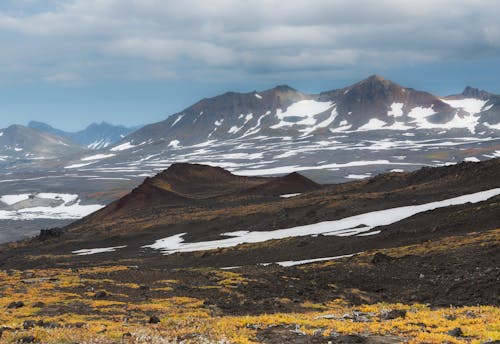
(95, 136)
(367, 214)
(371, 104)
(373, 126)
(24, 143)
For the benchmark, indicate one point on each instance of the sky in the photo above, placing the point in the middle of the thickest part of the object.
(133, 62)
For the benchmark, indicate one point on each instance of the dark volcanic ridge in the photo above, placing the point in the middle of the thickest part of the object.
(204, 202)
(184, 184)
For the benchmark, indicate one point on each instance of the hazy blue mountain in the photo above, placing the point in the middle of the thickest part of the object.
(95, 136)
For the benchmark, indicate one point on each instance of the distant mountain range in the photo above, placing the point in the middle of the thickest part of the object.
(95, 136)
(371, 104)
(373, 126)
(20, 143)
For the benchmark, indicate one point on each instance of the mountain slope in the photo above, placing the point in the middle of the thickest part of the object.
(95, 136)
(371, 104)
(18, 142)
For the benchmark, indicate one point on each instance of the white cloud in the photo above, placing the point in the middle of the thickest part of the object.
(100, 38)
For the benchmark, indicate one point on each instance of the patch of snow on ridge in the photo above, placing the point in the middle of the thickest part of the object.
(343, 126)
(304, 109)
(174, 144)
(493, 126)
(396, 110)
(103, 143)
(97, 157)
(89, 251)
(358, 176)
(122, 147)
(420, 114)
(290, 195)
(322, 124)
(373, 124)
(233, 130)
(288, 263)
(177, 120)
(296, 168)
(420, 118)
(470, 105)
(79, 165)
(348, 226)
(248, 117)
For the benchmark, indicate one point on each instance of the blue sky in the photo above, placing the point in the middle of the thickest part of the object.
(70, 63)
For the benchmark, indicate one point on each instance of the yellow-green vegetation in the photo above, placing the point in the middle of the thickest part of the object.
(81, 317)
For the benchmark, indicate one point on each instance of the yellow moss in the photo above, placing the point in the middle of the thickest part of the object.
(187, 317)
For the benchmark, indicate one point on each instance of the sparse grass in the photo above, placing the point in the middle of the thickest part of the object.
(186, 318)
(68, 297)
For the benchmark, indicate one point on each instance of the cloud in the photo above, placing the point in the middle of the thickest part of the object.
(118, 39)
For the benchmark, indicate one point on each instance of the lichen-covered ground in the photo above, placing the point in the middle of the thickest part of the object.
(127, 303)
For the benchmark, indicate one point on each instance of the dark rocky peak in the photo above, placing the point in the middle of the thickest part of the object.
(470, 92)
(374, 85)
(297, 179)
(284, 88)
(194, 172)
(288, 184)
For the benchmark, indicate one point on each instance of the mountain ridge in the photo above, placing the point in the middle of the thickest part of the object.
(94, 136)
(374, 103)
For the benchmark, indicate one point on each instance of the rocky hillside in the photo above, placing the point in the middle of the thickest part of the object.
(371, 104)
(199, 255)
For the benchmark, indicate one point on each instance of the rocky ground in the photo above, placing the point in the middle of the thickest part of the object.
(430, 278)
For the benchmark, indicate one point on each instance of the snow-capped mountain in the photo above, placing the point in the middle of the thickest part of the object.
(19, 144)
(355, 132)
(372, 104)
(374, 126)
(95, 136)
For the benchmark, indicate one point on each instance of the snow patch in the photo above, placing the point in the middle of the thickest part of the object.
(396, 110)
(122, 147)
(304, 109)
(68, 208)
(322, 124)
(13, 199)
(471, 159)
(469, 105)
(353, 225)
(89, 251)
(174, 144)
(358, 176)
(97, 157)
(373, 124)
(493, 126)
(290, 195)
(177, 120)
(288, 263)
(79, 165)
